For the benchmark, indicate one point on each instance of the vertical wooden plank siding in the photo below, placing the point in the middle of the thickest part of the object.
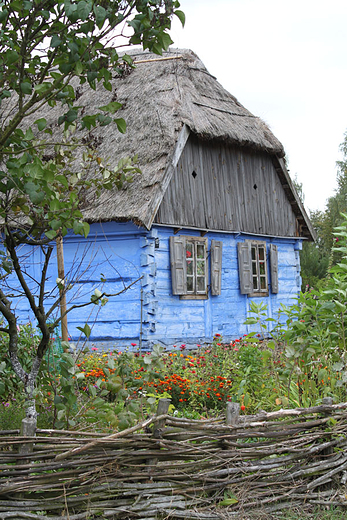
(231, 189)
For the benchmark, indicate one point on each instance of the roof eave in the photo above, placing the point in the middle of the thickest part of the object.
(306, 228)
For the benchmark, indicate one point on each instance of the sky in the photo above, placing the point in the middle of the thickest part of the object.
(285, 61)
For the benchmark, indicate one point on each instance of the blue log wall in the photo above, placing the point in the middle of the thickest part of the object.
(148, 313)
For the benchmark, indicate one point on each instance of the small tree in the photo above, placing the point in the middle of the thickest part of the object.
(45, 44)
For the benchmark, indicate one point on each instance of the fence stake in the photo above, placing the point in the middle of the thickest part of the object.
(27, 429)
(232, 414)
(162, 409)
(328, 401)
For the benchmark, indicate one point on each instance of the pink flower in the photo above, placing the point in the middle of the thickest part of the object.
(94, 348)
(236, 349)
(133, 344)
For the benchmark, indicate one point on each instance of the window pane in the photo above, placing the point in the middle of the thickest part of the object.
(200, 251)
(253, 253)
(201, 284)
(190, 284)
(254, 267)
(189, 250)
(261, 253)
(190, 265)
(255, 283)
(200, 268)
(262, 282)
(262, 268)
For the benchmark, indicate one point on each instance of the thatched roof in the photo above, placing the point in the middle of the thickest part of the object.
(161, 97)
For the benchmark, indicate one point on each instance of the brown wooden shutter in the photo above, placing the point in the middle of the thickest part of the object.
(178, 264)
(216, 267)
(245, 267)
(274, 268)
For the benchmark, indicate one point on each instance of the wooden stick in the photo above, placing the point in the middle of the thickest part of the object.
(140, 426)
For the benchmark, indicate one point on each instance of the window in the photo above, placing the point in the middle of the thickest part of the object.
(196, 266)
(253, 268)
(259, 271)
(190, 269)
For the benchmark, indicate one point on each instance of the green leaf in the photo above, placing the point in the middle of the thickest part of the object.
(181, 16)
(121, 125)
(111, 107)
(29, 135)
(228, 502)
(100, 15)
(55, 41)
(26, 87)
(86, 330)
(11, 57)
(92, 390)
(51, 234)
(83, 9)
(3, 15)
(165, 41)
(42, 88)
(86, 229)
(41, 123)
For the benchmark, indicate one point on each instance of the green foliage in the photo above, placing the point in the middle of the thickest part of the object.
(314, 263)
(47, 51)
(28, 340)
(305, 362)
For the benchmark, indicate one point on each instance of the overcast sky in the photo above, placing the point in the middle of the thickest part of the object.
(285, 61)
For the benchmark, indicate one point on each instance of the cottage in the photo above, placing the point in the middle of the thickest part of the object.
(211, 223)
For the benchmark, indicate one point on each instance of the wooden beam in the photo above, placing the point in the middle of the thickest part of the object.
(62, 290)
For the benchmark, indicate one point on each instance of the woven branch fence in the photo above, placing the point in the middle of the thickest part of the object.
(168, 467)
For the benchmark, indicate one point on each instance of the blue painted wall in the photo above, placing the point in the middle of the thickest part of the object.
(196, 321)
(122, 253)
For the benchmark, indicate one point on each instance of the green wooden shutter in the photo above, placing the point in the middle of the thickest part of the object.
(274, 268)
(216, 267)
(178, 265)
(245, 267)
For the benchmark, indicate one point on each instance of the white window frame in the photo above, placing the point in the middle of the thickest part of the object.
(260, 279)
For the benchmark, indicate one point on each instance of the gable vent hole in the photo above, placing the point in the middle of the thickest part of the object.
(255, 186)
(194, 174)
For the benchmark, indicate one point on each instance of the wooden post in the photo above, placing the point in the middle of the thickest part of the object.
(327, 401)
(327, 452)
(61, 275)
(232, 414)
(27, 429)
(162, 409)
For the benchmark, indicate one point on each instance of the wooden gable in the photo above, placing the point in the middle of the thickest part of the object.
(219, 187)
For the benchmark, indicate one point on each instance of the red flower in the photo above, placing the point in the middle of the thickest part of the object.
(133, 344)
(243, 407)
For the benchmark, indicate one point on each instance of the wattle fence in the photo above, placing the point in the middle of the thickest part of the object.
(169, 467)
